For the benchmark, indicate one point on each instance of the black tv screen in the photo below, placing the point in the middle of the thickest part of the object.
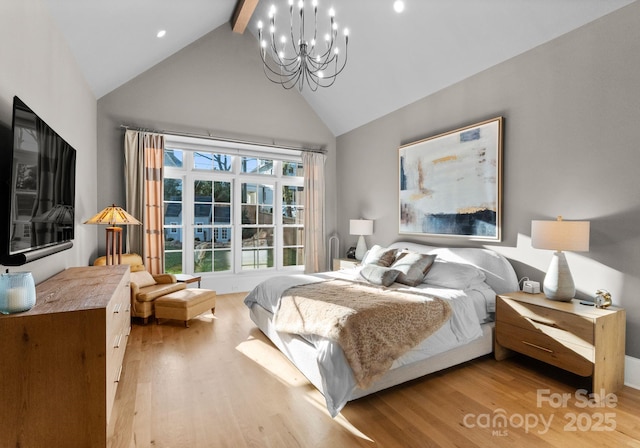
(39, 217)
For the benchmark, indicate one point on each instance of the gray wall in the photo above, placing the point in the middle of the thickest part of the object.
(571, 108)
(37, 66)
(215, 85)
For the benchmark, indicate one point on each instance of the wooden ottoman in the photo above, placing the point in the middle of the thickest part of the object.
(185, 304)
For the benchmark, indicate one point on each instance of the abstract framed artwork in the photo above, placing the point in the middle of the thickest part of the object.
(451, 184)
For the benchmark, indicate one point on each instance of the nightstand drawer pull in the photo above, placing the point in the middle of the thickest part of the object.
(541, 322)
(116, 309)
(537, 346)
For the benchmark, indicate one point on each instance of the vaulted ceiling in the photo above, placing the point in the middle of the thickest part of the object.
(394, 59)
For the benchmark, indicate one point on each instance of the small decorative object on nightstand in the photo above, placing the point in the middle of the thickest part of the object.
(582, 339)
(344, 263)
(603, 298)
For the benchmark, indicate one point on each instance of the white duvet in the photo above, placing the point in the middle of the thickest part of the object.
(470, 308)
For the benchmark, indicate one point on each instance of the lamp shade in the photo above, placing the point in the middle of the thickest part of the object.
(361, 227)
(113, 215)
(560, 235)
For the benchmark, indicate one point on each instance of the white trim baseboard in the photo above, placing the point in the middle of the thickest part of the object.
(632, 372)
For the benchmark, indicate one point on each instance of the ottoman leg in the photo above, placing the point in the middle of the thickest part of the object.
(213, 310)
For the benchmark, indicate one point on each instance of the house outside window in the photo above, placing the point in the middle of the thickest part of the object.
(232, 209)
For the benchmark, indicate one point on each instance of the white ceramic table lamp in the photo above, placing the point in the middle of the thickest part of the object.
(361, 227)
(560, 235)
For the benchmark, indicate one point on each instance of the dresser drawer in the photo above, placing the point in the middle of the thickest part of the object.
(118, 328)
(558, 324)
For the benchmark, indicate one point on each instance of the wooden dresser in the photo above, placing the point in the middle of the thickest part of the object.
(582, 339)
(61, 361)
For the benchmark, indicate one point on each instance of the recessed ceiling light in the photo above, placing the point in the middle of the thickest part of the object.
(398, 6)
(161, 33)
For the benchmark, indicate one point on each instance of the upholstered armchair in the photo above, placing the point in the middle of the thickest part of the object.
(145, 288)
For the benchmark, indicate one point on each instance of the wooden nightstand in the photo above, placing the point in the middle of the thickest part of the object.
(344, 263)
(582, 339)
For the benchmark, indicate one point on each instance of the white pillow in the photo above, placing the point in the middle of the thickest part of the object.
(142, 279)
(379, 275)
(381, 256)
(449, 274)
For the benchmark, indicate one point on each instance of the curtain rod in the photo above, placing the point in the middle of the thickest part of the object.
(220, 139)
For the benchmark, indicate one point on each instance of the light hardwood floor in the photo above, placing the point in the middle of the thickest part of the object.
(220, 383)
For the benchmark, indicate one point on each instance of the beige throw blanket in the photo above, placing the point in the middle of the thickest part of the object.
(373, 325)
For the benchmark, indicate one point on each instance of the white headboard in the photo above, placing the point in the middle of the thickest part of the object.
(499, 272)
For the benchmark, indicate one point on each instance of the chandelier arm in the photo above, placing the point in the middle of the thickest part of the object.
(287, 68)
(293, 42)
(302, 41)
(315, 29)
(279, 80)
(337, 71)
(312, 81)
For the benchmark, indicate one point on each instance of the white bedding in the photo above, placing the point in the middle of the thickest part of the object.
(469, 310)
(466, 335)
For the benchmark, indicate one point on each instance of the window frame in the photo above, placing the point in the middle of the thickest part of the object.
(277, 180)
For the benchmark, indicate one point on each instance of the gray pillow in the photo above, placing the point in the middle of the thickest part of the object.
(379, 275)
(413, 267)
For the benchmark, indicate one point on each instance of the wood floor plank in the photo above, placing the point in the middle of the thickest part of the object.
(221, 383)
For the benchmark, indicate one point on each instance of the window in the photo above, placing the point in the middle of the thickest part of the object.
(232, 209)
(173, 229)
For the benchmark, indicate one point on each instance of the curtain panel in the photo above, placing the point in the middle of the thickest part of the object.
(144, 153)
(314, 204)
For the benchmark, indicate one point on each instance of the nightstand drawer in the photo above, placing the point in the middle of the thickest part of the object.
(559, 324)
(567, 355)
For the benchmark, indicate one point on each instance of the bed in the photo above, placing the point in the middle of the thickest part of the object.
(465, 279)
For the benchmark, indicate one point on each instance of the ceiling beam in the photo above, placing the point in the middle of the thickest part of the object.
(242, 15)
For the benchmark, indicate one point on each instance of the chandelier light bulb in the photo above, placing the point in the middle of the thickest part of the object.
(260, 24)
(332, 12)
(272, 11)
(281, 54)
(283, 39)
(320, 75)
(336, 50)
(290, 2)
(272, 29)
(315, 3)
(346, 31)
(301, 4)
(327, 37)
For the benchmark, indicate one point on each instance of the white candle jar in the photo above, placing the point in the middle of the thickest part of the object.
(17, 292)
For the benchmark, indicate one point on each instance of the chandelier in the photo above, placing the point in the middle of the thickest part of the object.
(298, 59)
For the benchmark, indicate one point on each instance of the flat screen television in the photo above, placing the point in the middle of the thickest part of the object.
(38, 204)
